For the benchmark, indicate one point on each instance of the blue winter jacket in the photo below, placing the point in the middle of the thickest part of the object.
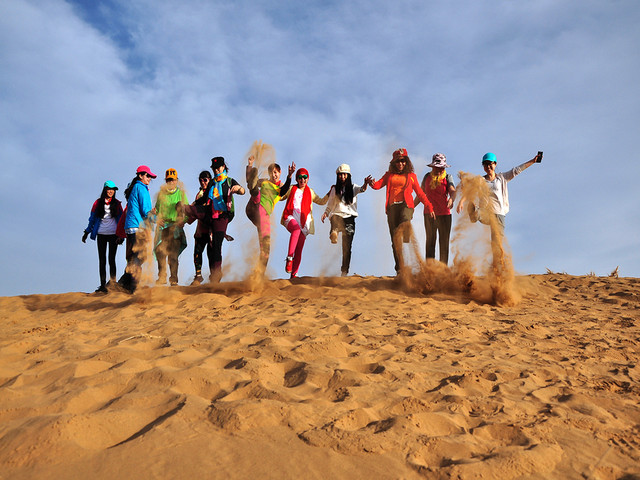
(94, 221)
(138, 206)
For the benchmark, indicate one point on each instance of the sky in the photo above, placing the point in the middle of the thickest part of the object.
(89, 90)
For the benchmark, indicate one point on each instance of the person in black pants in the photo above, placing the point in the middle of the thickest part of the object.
(103, 220)
(220, 198)
(203, 229)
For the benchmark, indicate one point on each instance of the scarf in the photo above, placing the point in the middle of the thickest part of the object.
(215, 194)
(437, 180)
(305, 208)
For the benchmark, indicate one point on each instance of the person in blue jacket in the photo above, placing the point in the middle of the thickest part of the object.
(103, 220)
(139, 209)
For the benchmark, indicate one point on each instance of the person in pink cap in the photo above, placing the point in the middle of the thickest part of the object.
(139, 207)
(298, 219)
(401, 182)
(440, 190)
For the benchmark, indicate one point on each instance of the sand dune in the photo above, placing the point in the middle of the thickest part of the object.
(323, 378)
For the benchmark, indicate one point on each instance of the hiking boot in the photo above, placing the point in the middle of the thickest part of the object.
(288, 266)
(197, 280)
(333, 236)
(101, 289)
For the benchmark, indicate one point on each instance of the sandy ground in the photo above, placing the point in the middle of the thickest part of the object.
(323, 378)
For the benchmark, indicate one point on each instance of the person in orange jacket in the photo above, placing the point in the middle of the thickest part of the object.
(401, 183)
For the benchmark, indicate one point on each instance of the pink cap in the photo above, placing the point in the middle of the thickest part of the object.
(147, 170)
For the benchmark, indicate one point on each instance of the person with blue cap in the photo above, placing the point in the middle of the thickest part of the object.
(103, 220)
(497, 202)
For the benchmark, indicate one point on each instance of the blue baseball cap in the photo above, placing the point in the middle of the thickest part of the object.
(109, 184)
(489, 157)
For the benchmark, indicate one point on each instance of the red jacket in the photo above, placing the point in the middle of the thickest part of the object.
(412, 185)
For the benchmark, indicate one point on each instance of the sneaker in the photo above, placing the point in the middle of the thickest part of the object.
(197, 280)
(288, 266)
(333, 236)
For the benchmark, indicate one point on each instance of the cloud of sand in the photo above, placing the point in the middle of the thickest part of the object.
(482, 265)
(145, 243)
(264, 154)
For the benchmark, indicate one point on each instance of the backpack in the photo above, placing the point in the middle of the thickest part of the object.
(231, 207)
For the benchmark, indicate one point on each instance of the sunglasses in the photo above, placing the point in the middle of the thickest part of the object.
(303, 176)
(401, 160)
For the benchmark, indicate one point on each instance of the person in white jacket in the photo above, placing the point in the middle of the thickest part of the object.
(497, 201)
(342, 210)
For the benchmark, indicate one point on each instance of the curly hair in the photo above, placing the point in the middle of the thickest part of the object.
(408, 167)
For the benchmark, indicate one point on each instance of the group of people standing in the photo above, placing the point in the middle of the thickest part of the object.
(213, 209)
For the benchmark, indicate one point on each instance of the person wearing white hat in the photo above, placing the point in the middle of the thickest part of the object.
(440, 190)
(342, 210)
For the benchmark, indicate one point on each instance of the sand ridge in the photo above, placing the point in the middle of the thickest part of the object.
(323, 377)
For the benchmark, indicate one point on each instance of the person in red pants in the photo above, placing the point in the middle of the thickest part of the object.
(298, 219)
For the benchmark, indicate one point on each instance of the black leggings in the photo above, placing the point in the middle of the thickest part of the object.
(112, 242)
(346, 225)
(202, 242)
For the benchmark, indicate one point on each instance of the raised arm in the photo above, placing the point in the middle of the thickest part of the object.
(285, 187)
(252, 174)
(521, 168)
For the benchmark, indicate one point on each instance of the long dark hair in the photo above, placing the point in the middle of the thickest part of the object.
(408, 167)
(127, 191)
(344, 190)
(102, 203)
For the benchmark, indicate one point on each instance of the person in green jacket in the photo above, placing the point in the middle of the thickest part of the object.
(265, 193)
(170, 238)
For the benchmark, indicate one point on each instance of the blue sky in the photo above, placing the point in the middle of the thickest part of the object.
(89, 90)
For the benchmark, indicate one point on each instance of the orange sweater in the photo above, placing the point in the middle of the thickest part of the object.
(412, 185)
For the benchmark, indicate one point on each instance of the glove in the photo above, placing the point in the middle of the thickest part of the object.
(84, 237)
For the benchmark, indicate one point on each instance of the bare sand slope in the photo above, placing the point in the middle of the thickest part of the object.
(323, 378)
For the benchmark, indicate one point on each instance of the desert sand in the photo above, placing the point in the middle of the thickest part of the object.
(356, 377)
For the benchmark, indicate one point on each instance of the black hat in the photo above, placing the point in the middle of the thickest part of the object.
(217, 162)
